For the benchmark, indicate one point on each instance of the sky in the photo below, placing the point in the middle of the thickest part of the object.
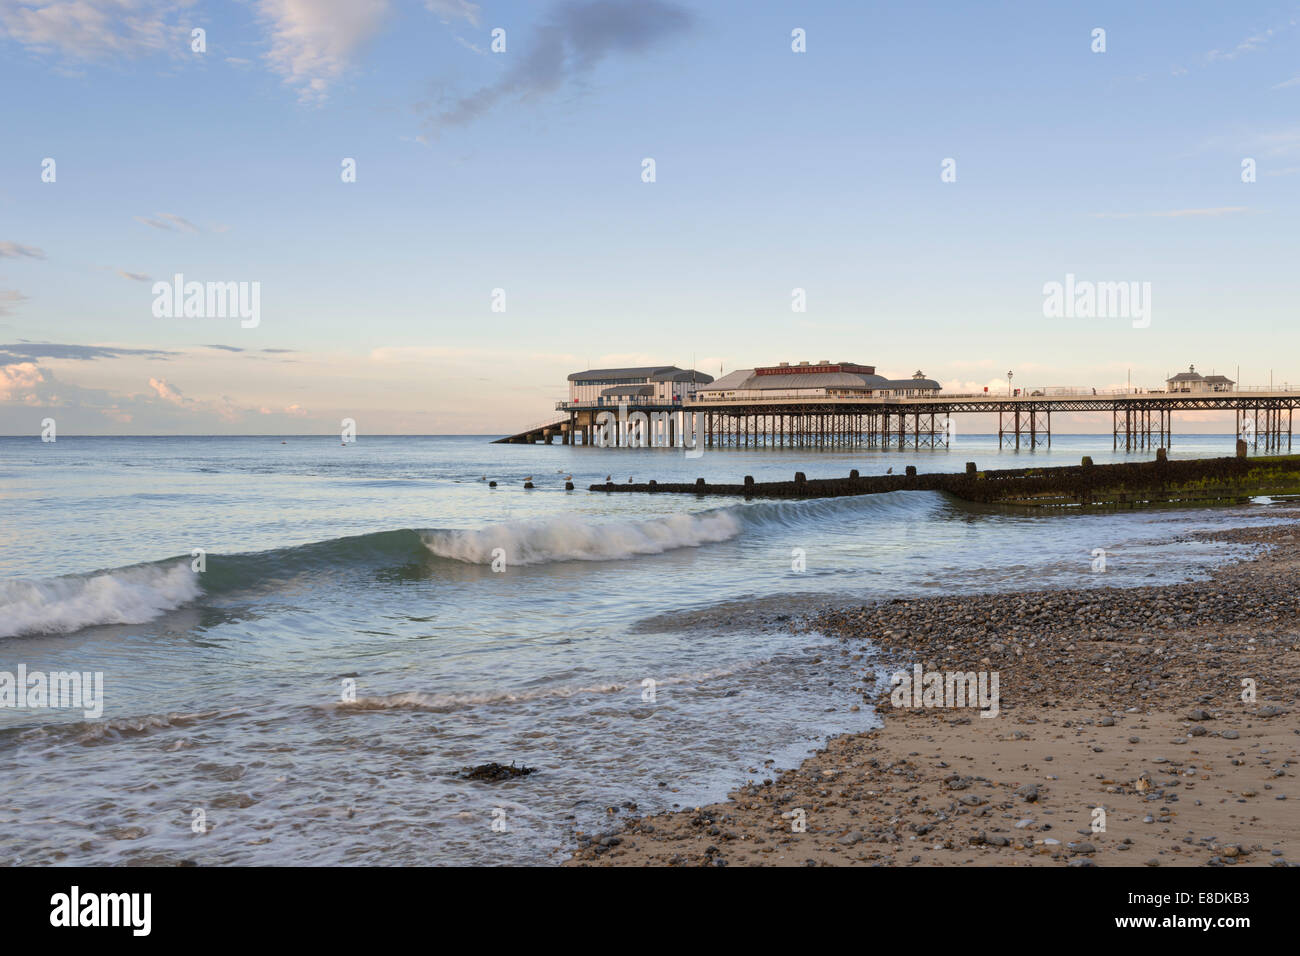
(922, 171)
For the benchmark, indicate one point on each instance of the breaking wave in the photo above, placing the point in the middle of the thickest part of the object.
(574, 539)
(124, 596)
(143, 592)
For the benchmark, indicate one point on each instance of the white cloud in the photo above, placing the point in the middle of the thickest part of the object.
(16, 250)
(168, 221)
(19, 381)
(1175, 213)
(1251, 43)
(10, 297)
(168, 392)
(313, 42)
(97, 29)
(448, 10)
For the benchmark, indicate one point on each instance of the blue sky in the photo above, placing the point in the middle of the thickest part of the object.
(522, 171)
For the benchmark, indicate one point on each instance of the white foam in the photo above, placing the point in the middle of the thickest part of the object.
(417, 700)
(573, 539)
(124, 596)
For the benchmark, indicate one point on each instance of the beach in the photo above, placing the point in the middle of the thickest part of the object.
(1135, 701)
(348, 645)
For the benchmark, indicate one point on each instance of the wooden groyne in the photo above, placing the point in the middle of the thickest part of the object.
(1159, 483)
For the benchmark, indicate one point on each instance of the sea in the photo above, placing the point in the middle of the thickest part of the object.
(304, 645)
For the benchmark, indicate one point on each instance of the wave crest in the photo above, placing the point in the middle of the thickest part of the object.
(122, 596)
(574, 539)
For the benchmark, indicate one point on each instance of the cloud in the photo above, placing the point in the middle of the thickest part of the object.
(83, 353)
(16, 250)
(10, 297)
(448, 10)
(422, 353)
(956, 386)
(20, 378)
(1250, 44)
(571, 43)
(168, 392)
(134, 276)
(472, 47)
(313, 42)
(1175, 213)
(168, 221)
(1211, 211)
(97, 29)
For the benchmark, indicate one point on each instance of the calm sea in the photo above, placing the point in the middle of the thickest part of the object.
(366, 571)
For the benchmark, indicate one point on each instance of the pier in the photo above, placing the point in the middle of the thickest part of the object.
(828, 404)
(1140, 420)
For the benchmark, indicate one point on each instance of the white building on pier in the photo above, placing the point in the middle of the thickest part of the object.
(839, 380)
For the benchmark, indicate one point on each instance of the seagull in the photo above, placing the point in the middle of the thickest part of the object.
(629, 480)
(484, 478)
(609, 477)
(529, 478)
(889, 470)
(568, 477)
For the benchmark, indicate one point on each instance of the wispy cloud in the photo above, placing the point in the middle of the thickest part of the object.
(1174, 213)
(449, 10)
(570, 43)
(133, 276)
(168, 221)
(97, 29)
(16, 250)
(26, 351)
(1250, 44)
(9, 298)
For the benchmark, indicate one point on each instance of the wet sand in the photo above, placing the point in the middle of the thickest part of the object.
(1128, 700)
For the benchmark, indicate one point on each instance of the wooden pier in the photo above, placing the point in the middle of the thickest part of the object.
(1140, 420)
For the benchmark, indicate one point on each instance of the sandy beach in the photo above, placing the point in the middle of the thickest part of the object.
(1126, 735)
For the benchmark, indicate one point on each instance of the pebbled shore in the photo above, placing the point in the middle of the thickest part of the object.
(1125, 699)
